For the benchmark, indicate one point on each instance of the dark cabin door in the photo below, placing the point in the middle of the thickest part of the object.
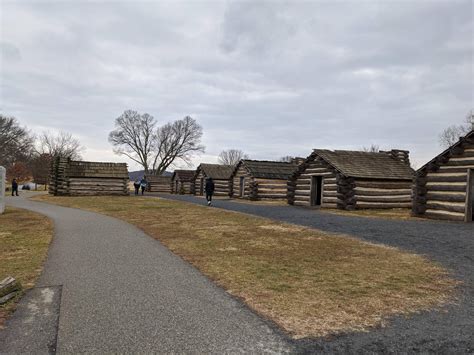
(470, 197)
(316, 190)
(242, 186)
(201, 187)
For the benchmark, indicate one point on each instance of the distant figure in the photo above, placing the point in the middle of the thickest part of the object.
(143, 184)
(14, 187)
(209, 190)
(136, 185)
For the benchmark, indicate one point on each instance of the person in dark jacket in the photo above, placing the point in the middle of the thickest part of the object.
(209, 190)
(136, 185)
(14, 187)
(143, 184)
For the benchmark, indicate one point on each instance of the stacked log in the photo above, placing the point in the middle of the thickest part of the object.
(159, 184)
(269, 189)
(444, 188)
(79, 178)
(375, 193)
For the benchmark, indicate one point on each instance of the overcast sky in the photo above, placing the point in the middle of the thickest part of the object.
(270, 78)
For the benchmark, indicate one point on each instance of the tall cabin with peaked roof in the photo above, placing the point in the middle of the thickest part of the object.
(181, 181)
(220, 174)
(352, 180)
(444, 187)
(260, 179)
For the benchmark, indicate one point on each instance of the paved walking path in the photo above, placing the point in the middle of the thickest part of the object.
(451, 244)
(123, 292)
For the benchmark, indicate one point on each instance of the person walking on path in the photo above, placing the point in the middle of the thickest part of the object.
(209, 190)
(143, 184)
(136, 185)
(14, 187)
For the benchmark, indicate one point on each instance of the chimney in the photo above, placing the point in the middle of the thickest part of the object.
(297, 160)
(402, 155)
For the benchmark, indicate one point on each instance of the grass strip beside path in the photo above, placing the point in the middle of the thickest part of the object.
(309, 282)
(24, 240)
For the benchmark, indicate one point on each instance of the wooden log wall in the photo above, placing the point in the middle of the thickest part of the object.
(299, 188)
(77, 178)
(377, 193)
(161, 184)
(242, 172)
(222, 188)
(442, 189)
(180, 187)
(269, 189)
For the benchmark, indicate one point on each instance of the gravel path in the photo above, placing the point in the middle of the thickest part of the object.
(123, 292)
(451, 244)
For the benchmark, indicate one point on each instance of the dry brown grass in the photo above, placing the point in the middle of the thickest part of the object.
(262, 202)
(307, 281)
(395, 213)
(24, 242)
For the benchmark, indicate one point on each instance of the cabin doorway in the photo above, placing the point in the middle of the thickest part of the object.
(242, 186)
(316, 190)
(470, 196)
(201, 186)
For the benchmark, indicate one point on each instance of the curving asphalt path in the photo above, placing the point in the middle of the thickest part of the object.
(450, 330)
(123, 292)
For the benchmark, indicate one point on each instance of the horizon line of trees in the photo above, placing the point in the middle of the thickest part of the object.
(27, 156)
(137, 137)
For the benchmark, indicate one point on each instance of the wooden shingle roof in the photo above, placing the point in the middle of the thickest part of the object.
(436, 161)
(265, 169)
(184, 175)
(366, 164)
(216, 171)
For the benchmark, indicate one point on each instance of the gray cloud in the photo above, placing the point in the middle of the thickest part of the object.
(271, 78)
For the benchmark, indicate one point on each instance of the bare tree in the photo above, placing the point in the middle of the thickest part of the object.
(452, 134)
(62, 144)
(287, 159)
(374, 148)
(134, 137)
(178, 140)
(231, 156)
(16, 143)
(155, 148)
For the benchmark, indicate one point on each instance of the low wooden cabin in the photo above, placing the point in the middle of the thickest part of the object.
(221, 174)
(259, 179)
(181, 181)
(84, 178)
(352, 180)
(444, 187)
(159, 183)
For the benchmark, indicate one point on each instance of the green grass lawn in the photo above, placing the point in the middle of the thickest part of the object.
(309, 282)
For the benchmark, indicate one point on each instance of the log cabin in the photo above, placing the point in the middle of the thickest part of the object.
(83, 178)
(260, 179)
(352, 180)
(444, 187)
(159, 183)
(181, 181)
(221, 174)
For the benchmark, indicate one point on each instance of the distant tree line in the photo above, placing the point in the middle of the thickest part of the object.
(27, 156)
